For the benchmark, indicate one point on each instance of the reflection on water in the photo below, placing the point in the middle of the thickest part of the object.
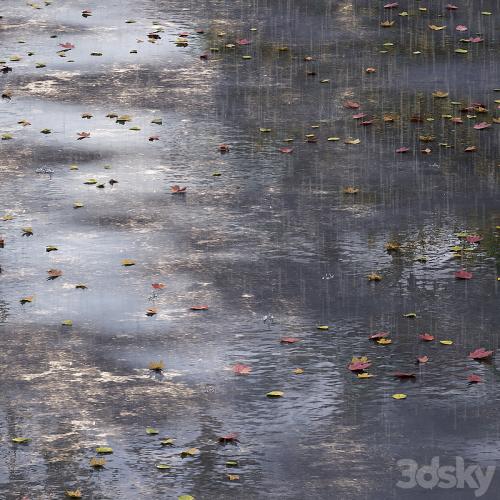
(271, 243)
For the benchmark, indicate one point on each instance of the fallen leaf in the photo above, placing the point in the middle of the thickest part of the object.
(240, 369)
(463, 275)
(474, 379)
(176, 189)
(399, 396)
(275, 394)
(427, 337)
(232, 437)
(403, 375)
(127, 262)
(480, 353)
(190, 452)
(199, 308)
(422, 359)
(289, 340)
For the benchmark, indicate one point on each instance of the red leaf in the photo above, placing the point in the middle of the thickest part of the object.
(289, 340)
(391, 5)
(243, 41)
(457, 120)
(427, 337)
(232, 437)
(158, 286)
(82, 135)
(474, 379)
(474, 238)
(404, 375)
(463, 275)
(241, 369)
(482, 125)
(286, 150)
(223, 148)
(451, 7)
(378, 335)
(474, 39)
(366, 122)
(461, 27)
(359, 115)
(176, 189)
(480, 353)
(422, 359)
(404, 149)
(359, 366)
(351, 105)
(67, 45)
(199, 308)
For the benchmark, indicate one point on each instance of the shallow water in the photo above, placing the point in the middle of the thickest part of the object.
(273, 235)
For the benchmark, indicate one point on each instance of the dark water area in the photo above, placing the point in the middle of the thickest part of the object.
(272, 243)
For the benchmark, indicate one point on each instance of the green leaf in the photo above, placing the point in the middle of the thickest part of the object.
(275, 394)
(21, 440)
(151, 430)
(104, 450)
(163, 466)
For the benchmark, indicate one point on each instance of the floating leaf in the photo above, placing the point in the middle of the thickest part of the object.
(410, 315)
(275, 394)
(67, 322)
(289, 340)
(474, 379)
(359, 364)
(190, 452)
(240, 369)
(156, 366)
(463, 275)
(104, 450)
(422, 359)
(26, 300)
(152, 431)
(127, 262)
(54, 273)
(480, 353)
(446, 342)
(97, 463)
(364, 375)
(199, 308)
(20, 440)
(163, 466)
(232, 437)
(167, 442)
(399, 396)
(384, 341)
(403, 375)
(427, 337)
(73, 493)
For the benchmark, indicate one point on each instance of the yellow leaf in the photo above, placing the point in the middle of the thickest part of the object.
(446, 342)
(384, 341)
(128, 262)
(323, 327)
(275, 394)
(190, 452)
(364, 375)
(399, 396)
(298, 371)
(436, 28)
